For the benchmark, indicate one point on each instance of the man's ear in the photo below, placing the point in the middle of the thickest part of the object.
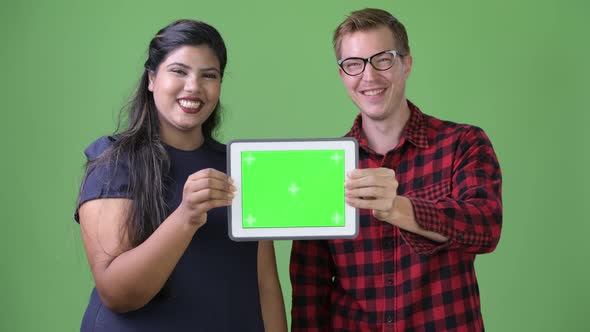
(151, 80)
(407, 61)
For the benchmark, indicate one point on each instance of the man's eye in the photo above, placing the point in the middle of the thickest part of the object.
(351, 65)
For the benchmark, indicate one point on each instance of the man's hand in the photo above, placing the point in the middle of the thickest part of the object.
(374, 189)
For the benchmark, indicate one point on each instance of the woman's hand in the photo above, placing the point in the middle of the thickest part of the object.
(205, 190)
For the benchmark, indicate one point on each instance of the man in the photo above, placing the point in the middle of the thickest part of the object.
(429, 194)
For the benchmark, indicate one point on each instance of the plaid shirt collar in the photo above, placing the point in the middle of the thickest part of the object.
(414, 130)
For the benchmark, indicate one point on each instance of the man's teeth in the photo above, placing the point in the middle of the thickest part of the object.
(373, 92)
(189, 104)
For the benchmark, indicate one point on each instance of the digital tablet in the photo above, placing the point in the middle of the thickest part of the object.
(291, 189)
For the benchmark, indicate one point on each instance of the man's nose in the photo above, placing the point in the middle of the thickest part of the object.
(369, 73)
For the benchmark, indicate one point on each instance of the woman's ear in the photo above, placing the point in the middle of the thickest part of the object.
(151, 77)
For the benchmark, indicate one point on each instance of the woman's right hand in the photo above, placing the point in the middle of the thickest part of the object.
(205, 190)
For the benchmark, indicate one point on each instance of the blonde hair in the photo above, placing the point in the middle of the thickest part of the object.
(371, 18)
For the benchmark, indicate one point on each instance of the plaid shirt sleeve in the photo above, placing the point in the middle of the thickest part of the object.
(471, 217)
(311, 270)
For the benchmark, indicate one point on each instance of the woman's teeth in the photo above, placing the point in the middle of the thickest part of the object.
(189, 104)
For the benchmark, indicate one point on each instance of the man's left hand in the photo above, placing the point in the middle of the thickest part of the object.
(374, 189)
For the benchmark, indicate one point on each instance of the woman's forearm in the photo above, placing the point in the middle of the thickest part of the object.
(271, 296)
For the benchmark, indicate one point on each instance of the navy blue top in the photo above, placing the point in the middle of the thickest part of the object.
(214, 286)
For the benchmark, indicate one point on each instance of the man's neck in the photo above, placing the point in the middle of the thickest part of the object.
(384, 135)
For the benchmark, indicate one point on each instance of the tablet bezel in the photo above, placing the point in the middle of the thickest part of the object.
(238, 233)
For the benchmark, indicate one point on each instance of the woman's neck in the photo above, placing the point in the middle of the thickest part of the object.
(184, 141)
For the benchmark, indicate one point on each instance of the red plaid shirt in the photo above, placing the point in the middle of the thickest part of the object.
(388, 279)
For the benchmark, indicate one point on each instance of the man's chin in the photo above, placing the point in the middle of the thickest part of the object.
(374, 115)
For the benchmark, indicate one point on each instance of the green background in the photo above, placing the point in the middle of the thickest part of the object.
(317, 193)
(518, 69)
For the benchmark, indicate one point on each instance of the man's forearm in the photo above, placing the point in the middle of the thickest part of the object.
(403, 217)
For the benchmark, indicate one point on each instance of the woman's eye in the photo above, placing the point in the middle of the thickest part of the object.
(179, 72)
(210, 75)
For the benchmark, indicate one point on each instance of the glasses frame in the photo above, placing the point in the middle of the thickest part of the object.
(368, 60)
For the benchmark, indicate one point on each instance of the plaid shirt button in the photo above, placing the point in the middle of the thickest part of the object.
(389, 318)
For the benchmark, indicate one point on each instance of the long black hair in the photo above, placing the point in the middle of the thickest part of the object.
(139, 143)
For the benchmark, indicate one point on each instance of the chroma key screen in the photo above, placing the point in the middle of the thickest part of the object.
(293, 188)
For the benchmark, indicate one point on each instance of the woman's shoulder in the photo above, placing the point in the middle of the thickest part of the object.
(215, 145)
(99, 146)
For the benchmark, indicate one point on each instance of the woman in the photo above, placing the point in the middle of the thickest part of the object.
(152, 206)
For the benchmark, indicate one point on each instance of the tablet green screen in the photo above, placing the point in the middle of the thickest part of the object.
(302, 188)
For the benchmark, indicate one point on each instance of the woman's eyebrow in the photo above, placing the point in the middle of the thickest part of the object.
(189, 67)
(178, 64)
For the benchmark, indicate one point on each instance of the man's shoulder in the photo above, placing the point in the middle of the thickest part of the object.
(436, 126)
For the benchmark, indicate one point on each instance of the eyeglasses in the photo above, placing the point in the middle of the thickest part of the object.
(380, 61)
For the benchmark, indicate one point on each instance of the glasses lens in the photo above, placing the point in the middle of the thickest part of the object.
(353, 66)
(383, 61)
